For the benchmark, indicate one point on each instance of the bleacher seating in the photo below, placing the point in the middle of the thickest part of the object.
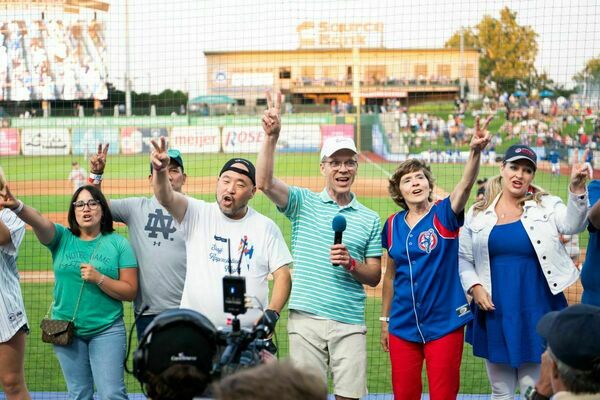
(49, 60)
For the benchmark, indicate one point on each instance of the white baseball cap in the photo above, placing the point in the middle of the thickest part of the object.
(336, 143)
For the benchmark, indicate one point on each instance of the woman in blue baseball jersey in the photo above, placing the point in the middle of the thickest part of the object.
(424, 307)
(515, 267)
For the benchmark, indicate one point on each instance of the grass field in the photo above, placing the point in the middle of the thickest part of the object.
(43, 373)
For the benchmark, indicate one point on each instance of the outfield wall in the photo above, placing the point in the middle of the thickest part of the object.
(215, 135)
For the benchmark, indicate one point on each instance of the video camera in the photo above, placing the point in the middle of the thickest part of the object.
(242, 346)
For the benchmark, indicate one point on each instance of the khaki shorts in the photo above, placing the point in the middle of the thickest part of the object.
(320, 344)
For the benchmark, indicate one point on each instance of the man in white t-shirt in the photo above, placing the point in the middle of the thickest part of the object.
(226, 237)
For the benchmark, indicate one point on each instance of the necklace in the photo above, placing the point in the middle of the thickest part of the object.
(510, 213)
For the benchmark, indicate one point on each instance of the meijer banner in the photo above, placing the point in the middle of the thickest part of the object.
(195, 139)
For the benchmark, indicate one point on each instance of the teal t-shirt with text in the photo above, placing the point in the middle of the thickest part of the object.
(107, 253)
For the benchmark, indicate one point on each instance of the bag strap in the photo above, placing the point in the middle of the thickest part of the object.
(80, 289)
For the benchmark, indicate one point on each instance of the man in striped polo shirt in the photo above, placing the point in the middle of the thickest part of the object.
(326, 324)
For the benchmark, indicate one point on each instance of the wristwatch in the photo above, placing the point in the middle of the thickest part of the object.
(273, 314)
(532, 394)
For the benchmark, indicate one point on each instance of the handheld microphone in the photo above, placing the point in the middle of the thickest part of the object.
(339, 226)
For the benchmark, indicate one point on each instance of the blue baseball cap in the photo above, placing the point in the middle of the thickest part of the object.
(572, 335)
(175, 156)
(521, 152)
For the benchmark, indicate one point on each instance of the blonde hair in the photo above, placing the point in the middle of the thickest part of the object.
(493, 188)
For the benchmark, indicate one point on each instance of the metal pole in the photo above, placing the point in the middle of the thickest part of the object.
(127, 71)
(462, 64)
(356, 91)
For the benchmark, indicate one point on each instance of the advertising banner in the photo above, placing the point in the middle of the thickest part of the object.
(45, 142)
(9, 142)
(136, 140)
(293, 138)
(192, 139)
(242, 139)
(328, 131)
(300, 138)
(86, 141)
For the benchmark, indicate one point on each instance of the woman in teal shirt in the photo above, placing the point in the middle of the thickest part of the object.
(95, 270)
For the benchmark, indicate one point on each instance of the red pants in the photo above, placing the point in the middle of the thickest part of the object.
(442, 358)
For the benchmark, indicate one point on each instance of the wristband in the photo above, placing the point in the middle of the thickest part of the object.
(94, 179)
(101, 281)
(352, 266)
(19, 207)
(384, 319)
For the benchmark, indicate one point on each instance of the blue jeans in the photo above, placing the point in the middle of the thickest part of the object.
(98, 359)
(142, 323)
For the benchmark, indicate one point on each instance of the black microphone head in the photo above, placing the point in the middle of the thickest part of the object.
(339, 223)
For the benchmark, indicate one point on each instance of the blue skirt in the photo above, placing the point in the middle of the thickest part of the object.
(521, 295)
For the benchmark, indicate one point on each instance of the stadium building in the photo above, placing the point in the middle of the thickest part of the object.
(332, 59)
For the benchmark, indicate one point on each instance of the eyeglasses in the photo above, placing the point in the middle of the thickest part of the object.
(91, 203)
(336, 164)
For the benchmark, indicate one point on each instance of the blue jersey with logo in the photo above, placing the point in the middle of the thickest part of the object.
(428, 301)
(590, 273)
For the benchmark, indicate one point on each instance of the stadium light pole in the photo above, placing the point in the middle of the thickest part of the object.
(356, 95)
(462, 63)
(127, 71)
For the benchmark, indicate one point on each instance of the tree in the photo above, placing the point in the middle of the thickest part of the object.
(590, 73)
(588, 79)
(507, 49)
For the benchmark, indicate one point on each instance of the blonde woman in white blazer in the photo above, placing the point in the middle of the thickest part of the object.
(513, 264)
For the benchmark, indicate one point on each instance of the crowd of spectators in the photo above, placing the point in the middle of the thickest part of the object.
(50, 60)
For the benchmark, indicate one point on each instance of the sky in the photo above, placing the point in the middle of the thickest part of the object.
(168, 37)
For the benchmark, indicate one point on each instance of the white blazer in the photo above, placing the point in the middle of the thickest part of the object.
(543, 223)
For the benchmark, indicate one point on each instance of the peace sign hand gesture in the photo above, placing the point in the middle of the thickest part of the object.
(98, 160)
(481, 136)
(271, 120)
(579, 172)
(7, 199)
(159, 156)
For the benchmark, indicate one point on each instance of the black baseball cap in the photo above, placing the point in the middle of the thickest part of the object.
(250, 173)
(175, 156)
(521, 152)
(573, 335)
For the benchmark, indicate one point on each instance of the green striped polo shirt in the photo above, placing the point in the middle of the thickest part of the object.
(318, 287)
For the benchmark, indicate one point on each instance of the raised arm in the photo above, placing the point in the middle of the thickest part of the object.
(97, 165)
(176, 203)
(460, 194)
(572, 218)
(4, 234)
(594, 215)
(275, 189)
(42, 226)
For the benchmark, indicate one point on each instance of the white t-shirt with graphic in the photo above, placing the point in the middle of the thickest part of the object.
(255, 244)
